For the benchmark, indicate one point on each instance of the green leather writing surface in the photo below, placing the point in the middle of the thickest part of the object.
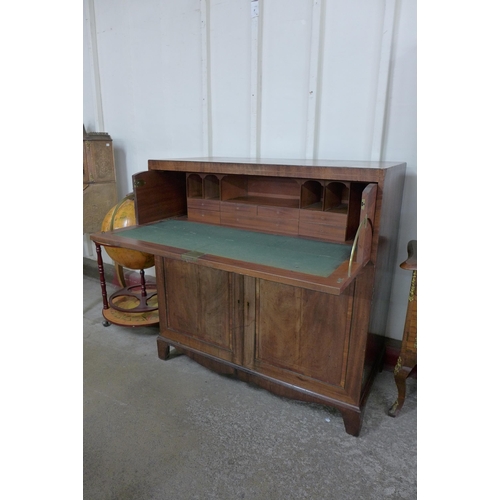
(284, 252)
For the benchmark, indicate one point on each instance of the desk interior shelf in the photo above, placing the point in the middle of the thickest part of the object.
(311, 208)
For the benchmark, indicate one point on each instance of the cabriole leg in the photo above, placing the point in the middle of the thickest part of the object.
(400, 376)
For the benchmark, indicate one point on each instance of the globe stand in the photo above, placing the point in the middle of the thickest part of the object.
(135, 305)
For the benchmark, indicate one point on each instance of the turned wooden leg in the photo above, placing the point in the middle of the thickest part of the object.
(100, 267)
(352, 421)
(163, 348)
(144, 292)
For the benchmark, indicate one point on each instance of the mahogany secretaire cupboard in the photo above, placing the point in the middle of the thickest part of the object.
(275, 271)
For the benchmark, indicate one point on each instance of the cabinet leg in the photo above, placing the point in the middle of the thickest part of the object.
(352, 421)
(163, 348)
(400, 378)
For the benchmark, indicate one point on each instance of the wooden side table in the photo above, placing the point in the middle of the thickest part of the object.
(408, 356)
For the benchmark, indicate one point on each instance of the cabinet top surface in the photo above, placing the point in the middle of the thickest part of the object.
(284, 162)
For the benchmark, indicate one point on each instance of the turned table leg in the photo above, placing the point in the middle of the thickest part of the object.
(100, 267)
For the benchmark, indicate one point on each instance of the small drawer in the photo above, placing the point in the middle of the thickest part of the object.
(203, 204)
(319, 217)
(238, 208)
(279, 226)
(209, 216)
(237, 219)
(265, 211)
(272, 225)
(322, 231)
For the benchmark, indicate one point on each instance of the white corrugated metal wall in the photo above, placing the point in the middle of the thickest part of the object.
(323, 79)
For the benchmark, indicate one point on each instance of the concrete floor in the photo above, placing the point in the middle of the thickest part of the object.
(164, 430)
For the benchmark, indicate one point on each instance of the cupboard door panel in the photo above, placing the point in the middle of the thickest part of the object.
(367, 220)
(183, 304)
(302, 333)
(201, 307)
(159, 195)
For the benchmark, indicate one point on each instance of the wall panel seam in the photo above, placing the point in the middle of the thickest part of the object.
(206, 77)
(256, 78)
(384, 70)
(315, 77)
(94, 67)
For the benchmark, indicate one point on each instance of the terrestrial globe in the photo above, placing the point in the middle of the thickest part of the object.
(120, 216)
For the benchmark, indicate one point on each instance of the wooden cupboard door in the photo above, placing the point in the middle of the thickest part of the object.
(367, 222)
(301, 336)
(159, 195)
(202, 307)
